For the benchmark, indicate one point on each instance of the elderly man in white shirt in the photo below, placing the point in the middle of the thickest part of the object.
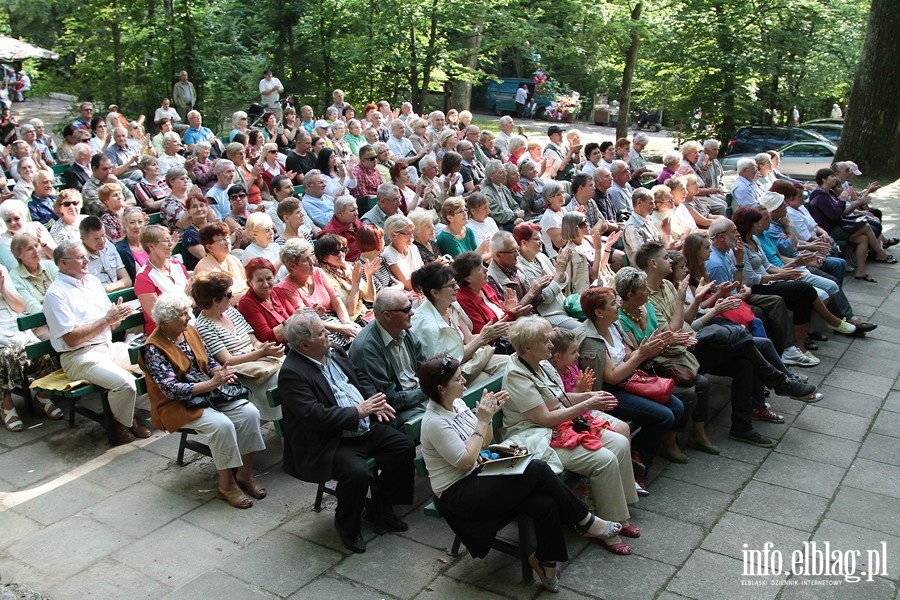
(81, 319)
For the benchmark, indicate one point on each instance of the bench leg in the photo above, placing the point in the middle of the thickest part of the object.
(181, 445)
(319, 493)
(454, 549)
(108, 420)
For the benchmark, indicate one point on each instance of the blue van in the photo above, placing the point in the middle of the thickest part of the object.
(500, 96)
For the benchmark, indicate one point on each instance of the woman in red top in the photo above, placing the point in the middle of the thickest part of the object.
(479, 301)
(264, 311)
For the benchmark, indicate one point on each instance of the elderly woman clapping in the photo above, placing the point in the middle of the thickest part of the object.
(538, 404)
(182, 378)
(15, 215)
(230, 339)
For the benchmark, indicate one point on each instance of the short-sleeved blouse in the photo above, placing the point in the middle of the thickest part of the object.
(409, 262)
(322, 294)
(450, 244)
(631, 327)
(216, 338)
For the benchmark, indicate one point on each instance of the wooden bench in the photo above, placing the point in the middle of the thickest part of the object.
(273, 399)
(76, 391)
(185, 442)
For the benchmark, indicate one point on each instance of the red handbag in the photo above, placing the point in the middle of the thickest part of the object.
(652, 387)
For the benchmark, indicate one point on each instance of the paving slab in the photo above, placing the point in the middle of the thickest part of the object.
(887, 423)
(630, 578)
(866, 508)
(892, 402)
(844, 537)
(329, 588)
(69, 547)
(831, 422)
(873, 361)
(847, 379)
(800, 474)
(780, 505)
(881, 448)
(446, 588)
(665, 539)
(141, 509)
(62, 502)
(870, 475)
(178, 552)
(686, 502)
(281, 563)
(221, 586)
(15, 527)
(126, 470)
(734, 533)
(812, 588)
(394, 565)
(715, 472)
(711, 576)
(845, 401)
(110, 580)
(819, 447)
(500, 574)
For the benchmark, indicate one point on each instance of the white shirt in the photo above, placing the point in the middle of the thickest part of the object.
(71, 302)
(802, 222)
(412, 261)
(550, 220)
(270, 84)
(400, 147)
(521, 96)
(168, 113)
(483, 230)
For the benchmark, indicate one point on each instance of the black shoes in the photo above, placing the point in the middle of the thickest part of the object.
(794, 389)
(753, 437)
(352, 542)
(387, 521)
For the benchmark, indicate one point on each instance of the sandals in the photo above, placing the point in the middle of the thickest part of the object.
(236, 498)
(810, 345)
(253, 488)
(817, 336)
(865, 277)
(551, 584)
(11, 419)
(612, 529)
(620, 548)
(890, 242)
(51, 410)
(889, 260)
(630, 531)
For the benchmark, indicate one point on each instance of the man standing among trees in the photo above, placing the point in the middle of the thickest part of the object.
(184, 96)
(270, 89)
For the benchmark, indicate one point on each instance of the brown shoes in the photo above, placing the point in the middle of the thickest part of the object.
(122, 434)
(139, 429)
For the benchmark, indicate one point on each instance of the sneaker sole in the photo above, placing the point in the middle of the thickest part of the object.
(764, 420)
(769, 444)
(800, 363)
(816, 397)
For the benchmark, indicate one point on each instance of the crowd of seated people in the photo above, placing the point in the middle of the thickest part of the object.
(424, 255)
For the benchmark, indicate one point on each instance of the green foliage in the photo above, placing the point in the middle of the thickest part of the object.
(727, 59)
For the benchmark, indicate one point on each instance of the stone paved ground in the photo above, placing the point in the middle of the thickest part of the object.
(80, 520)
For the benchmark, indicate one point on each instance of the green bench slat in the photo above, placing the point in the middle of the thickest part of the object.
(31, 321)
(299, 190)
(154, 219)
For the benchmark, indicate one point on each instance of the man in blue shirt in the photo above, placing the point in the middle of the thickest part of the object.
(317, 204)
(197, 132)
(746, 190)
(219, 192)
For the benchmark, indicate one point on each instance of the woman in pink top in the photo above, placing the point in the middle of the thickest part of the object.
(306, 287)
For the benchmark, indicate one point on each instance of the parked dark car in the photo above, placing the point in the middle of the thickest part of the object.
(759, 138)
(500, 96)
(830, 130)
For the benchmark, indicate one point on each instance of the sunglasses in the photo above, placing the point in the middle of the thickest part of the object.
(583, 225)
(68, 203)
(229, 295)
(405, 310)
(447, 365)
(368, 158)
(241, 195)
(337, 251)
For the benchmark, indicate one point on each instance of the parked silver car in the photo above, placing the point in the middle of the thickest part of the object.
(799, 159)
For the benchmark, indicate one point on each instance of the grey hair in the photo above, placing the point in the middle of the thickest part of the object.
(711, 144)
(379, 147)
(570, 223)
(510, 169)
(671, 157)
(464, 145)
(169, 307)
(427, 161)
(81, 148)
(384, 189)
(640, 138)
(147, 161)
(36, 123)
(763, 158)
(13, 207)
(343, 202)
(745, 163)
(175, 173)
(389, 299)
(499, 239)
(690, 145)
(551, 188)
(524, 163)
(171, 136)
(515, 142)
(718, 227)
(221, 164)
(203, 145)
(628, 280)
(601, 171)
(506, 120)
(298, 328)
(63, 248)
(421, 217)
(307, 179)
(395, 223)
(529, 331)
(492, 167)
(293, 250)
(620, 165)
(236, 117)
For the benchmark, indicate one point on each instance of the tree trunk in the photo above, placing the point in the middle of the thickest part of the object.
(628, 72)
(462, 90)
(725, 42)
(117, 54)
(430, 53)
(871, 136)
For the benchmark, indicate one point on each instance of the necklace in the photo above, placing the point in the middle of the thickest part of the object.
(636, 319)
(175, 341)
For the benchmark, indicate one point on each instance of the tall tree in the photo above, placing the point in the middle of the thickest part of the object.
(871, 135)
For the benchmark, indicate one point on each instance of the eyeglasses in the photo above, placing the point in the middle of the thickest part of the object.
(222, 241)
(367, 158)
(229, 295)
(451, 286)
(408, 233)
(405, 310)
(337, 251)
(166, 241)
(238, 196)
(68, 203)
(583, 225)
(513, 251)
(83, 258)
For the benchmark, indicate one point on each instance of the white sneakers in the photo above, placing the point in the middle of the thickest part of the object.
(844, 327)
(793, 357)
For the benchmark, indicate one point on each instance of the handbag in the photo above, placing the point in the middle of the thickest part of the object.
(261, 369)
(682, 376)
(572, 305)
(652, 387)
(224, 394)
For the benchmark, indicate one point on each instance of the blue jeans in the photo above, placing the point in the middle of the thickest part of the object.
(654, 419)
